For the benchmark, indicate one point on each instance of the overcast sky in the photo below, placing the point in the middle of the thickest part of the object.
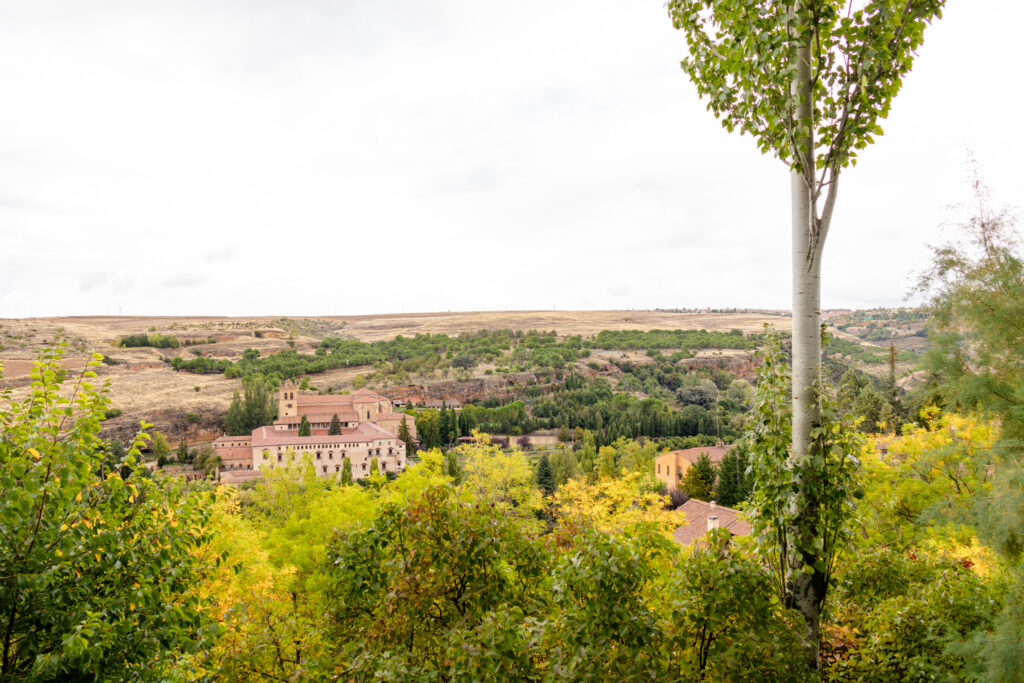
(349, 157)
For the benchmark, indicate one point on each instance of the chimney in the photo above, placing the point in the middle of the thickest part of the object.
(712, 522)
(713, 506)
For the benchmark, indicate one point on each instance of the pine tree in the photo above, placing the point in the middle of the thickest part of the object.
(335, 427)
(304, 428)
(346, 472)
(545, 479)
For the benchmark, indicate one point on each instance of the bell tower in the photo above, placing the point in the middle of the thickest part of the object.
(287, 405)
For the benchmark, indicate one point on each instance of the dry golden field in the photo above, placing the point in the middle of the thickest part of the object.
(143, 387)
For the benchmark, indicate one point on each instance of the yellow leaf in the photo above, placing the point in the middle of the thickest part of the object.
(131, 606)
(97, 556)
(59, 553)
(34, 453)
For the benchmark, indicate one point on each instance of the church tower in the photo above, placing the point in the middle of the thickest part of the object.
(287, 405)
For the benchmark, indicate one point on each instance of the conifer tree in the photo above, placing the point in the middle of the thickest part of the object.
(346, 472)
(734, 484)
(335, 428)
(234, 423)
(405, 436)
(545, 479)
(304, 428)
(182, 452)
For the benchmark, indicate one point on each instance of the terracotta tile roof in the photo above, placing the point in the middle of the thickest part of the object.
(222, 441)
(366, 431)
(715, 453)
(697, 513)
(343, 416)
(316, 399)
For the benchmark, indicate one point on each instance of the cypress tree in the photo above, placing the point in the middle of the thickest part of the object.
(304, 428)
(346, 472)
(405, 436)
(234, 423)
(335, 427)
(182, 452)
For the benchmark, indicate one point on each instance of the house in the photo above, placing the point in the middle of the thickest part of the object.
(369, 428)
(671, 467)
(702, 517)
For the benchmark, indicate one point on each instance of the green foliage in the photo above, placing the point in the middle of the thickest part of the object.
(802, 507)
(346, 472)
(335, 426)
(734, 481)
(723, 621)
(670, 339)
(304, 427)
(428, 428)
(155, 340)
(98, 576)
(256, 408)
(699, 480)
(159, 446)
(182, 452)
(545, 478)
(448, 581)
(906, 616)
(742, 54)
(405, 436)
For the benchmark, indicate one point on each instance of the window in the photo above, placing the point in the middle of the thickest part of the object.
(325, 469)
(279, 457)
(318, 455)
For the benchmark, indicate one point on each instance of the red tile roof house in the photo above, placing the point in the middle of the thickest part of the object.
(702, 517)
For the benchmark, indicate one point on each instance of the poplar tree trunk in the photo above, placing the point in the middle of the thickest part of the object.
(806, 591)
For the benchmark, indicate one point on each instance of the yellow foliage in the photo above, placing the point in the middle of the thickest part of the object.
(611, 505)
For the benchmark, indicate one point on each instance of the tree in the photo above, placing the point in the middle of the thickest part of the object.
(809, 81)
(160, 446)
(606, 466)
(734, 484)
(358, 382)
(91, 558)
(335, 428)
(346, 471)
(182, 452)
(304, 428)
(428, 426)
(699, 480)
(234, 423)
(564, 466)
(405, 436)
(977, 308)
(545, 480)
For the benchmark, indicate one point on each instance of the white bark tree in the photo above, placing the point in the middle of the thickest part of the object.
(809, 80)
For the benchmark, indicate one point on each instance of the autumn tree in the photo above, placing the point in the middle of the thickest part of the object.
(809, 80)
(97, 573)
(346, 471)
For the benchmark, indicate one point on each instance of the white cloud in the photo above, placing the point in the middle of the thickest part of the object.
(329, 158)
